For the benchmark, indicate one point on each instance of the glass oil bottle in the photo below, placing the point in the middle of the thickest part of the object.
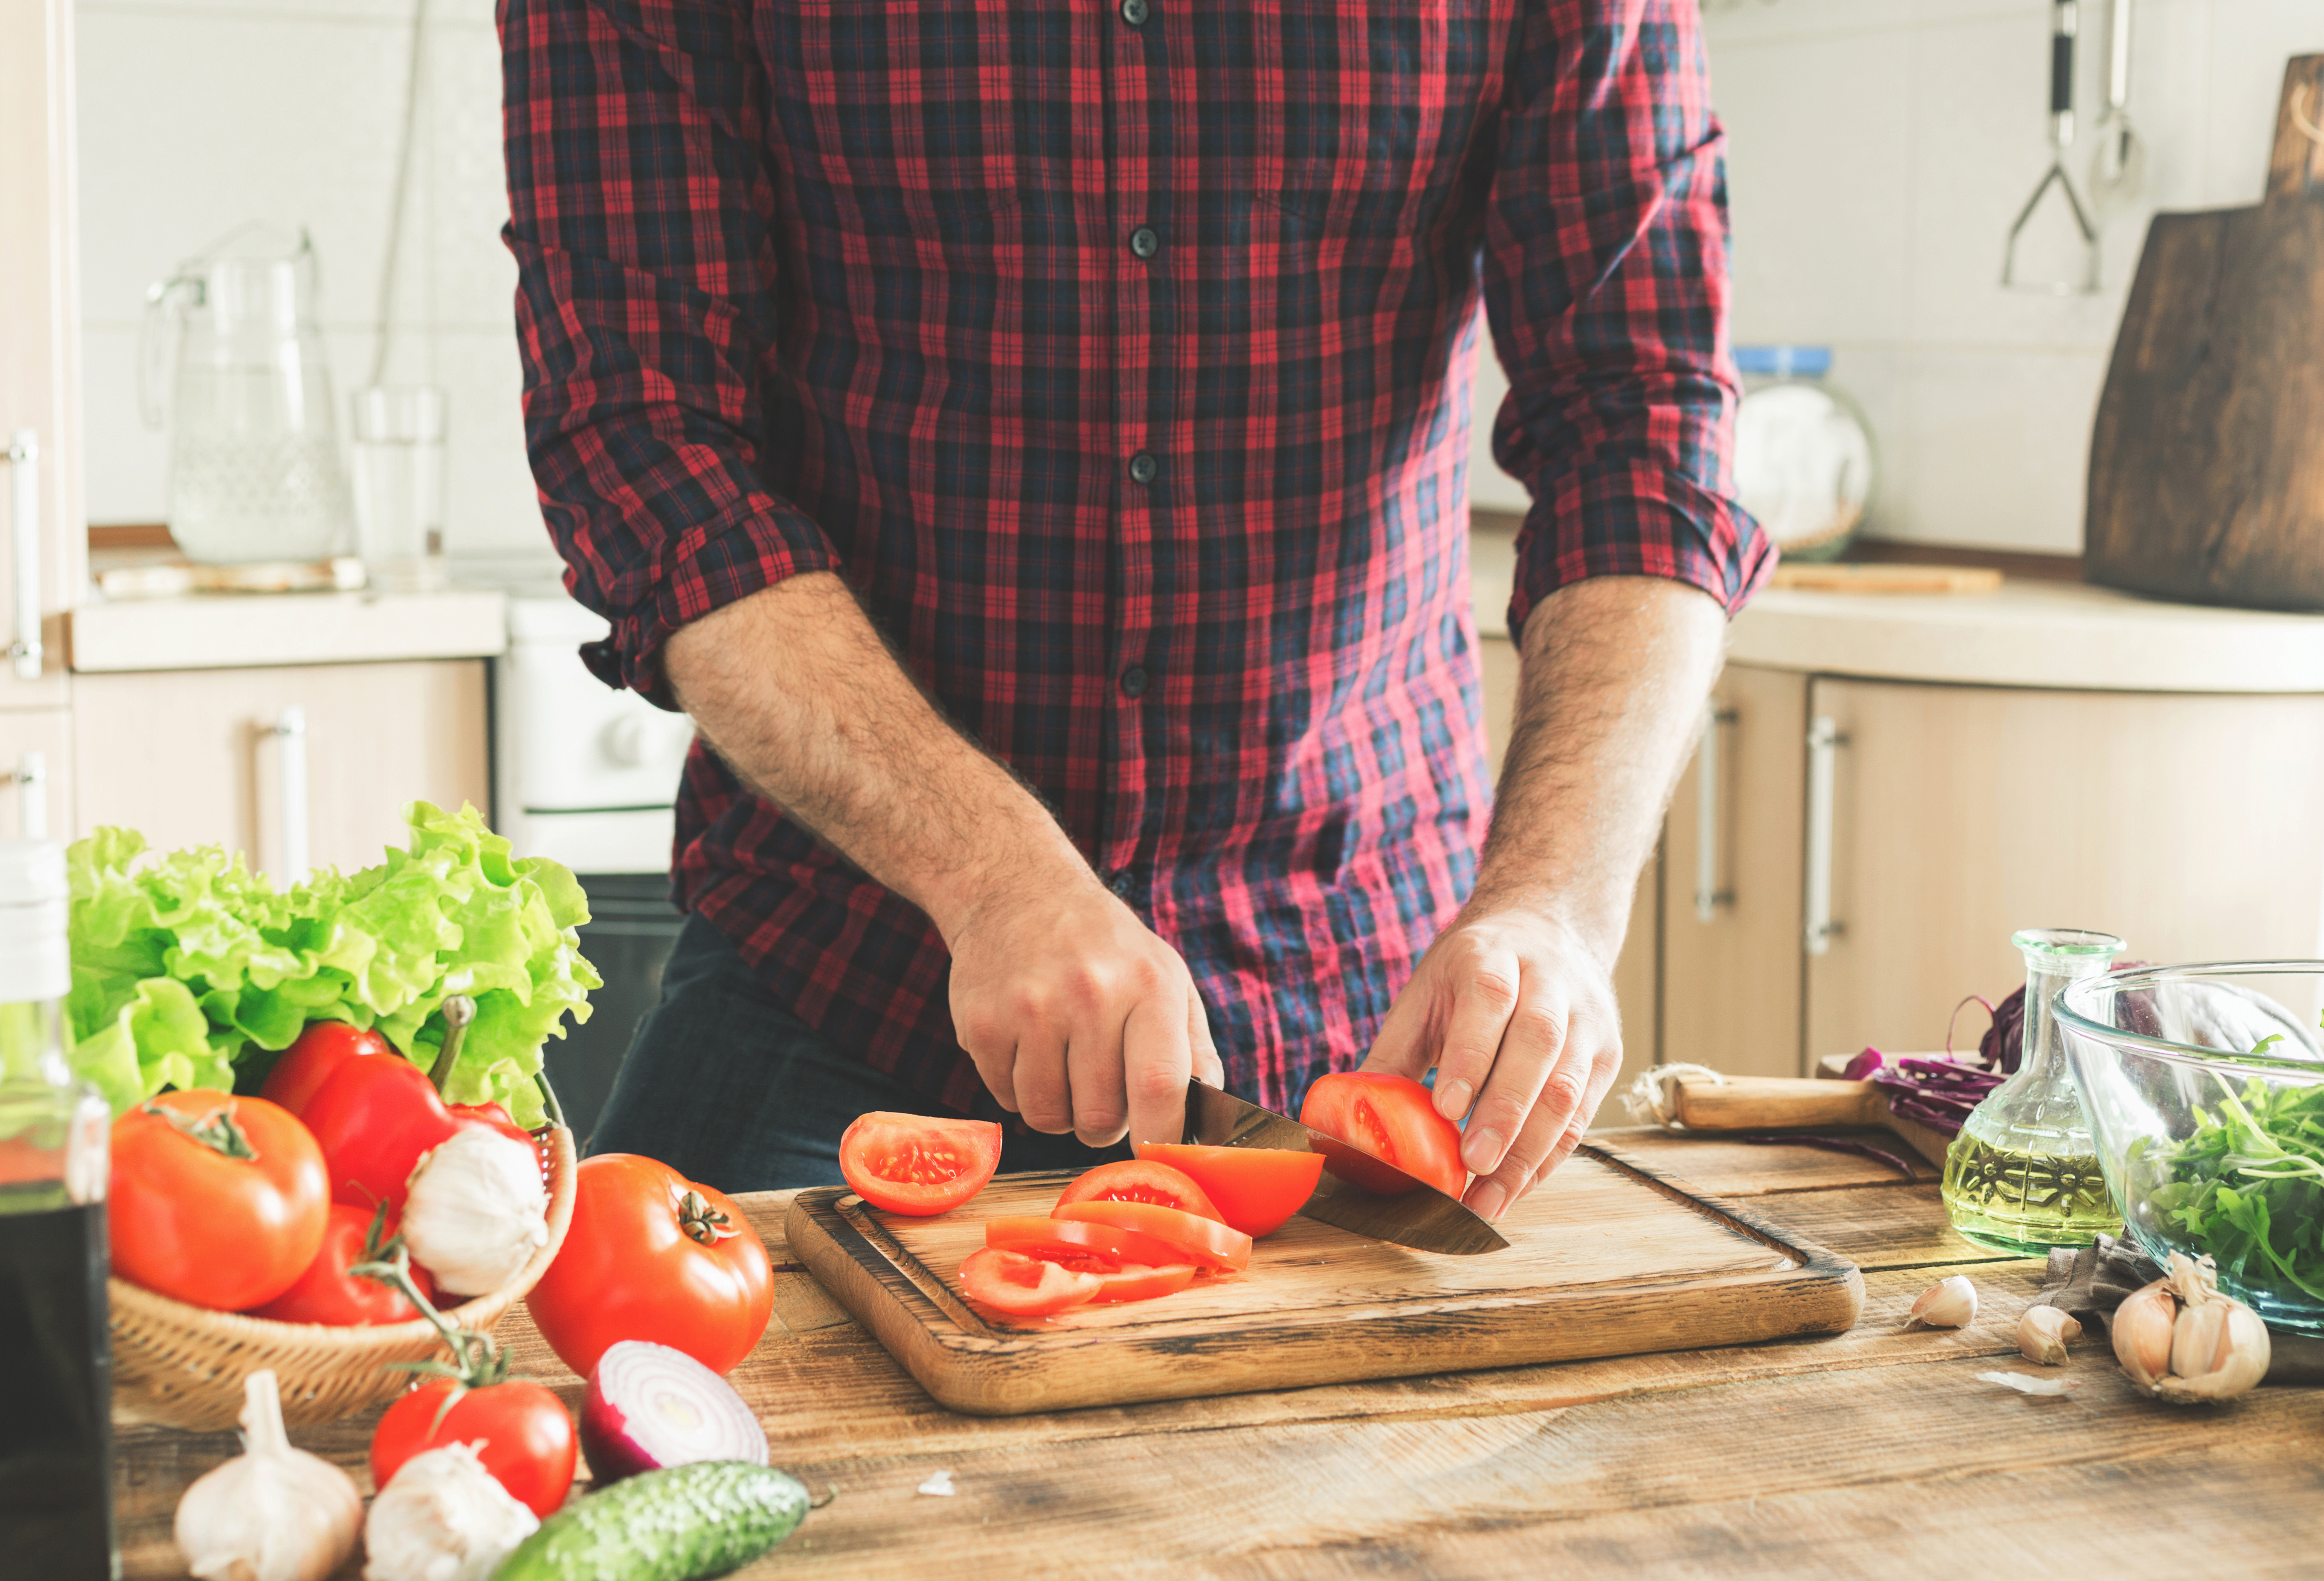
(2023, 1175)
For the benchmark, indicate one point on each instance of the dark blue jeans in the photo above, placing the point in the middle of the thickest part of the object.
(725, 1084)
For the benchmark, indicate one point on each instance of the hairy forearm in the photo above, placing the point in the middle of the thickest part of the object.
(795, 690)
(1616, 670)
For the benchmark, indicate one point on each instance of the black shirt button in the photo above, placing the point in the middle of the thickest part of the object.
(1135, 11)
(1144, 469)
(1120, 885)
(1133, 682)
(1144, 241)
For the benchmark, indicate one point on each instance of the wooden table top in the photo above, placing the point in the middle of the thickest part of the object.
(1873, 1453)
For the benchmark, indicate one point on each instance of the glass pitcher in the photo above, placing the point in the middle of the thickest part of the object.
(233, 363)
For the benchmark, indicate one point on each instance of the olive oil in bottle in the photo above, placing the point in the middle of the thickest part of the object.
(56, 1381)
(2023, 1175)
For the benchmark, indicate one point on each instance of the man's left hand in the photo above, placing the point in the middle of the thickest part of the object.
(1516, 1015)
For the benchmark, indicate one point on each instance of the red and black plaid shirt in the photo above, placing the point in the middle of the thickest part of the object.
(1117, 353)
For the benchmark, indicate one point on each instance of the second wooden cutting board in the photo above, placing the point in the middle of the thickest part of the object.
(1606, 1259)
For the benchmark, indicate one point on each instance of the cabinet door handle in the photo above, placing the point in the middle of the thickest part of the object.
(1708, 896)
(32, 777)
(25, 543)
(291, 779)
(1824, 742)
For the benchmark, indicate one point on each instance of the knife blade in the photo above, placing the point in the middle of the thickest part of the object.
(1422, 1217)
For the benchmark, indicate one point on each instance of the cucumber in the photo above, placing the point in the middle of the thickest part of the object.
(673, 1525)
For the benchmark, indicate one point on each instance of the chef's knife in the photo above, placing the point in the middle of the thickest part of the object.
(1422, 1217)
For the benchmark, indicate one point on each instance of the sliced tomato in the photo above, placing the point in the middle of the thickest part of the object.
(917, 1163)
(1207, 1243)
(1392, 1119)
(1062, 1239)
(1136, 1181)
(1022, 1286)
(1134, 1282)
(1257, 1188)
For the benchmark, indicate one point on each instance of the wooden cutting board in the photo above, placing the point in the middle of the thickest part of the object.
(2207, 478)
(1606, 1259)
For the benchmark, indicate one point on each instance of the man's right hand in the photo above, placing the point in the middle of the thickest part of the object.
(1078, 1016)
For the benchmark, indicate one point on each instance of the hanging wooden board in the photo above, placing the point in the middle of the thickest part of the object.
(2207, 480)
(1607, 1258)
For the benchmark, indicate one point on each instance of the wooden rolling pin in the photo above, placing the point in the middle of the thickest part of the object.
(1764, 1103)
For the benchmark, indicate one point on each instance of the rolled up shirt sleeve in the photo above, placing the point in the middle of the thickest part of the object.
(639, 206)
(1605, 289)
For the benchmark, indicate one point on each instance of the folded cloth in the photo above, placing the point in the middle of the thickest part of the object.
(2089, 1283)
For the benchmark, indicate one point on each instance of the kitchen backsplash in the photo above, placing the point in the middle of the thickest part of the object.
(1879, 149)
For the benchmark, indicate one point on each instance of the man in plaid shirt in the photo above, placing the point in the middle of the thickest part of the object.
(1028, 439)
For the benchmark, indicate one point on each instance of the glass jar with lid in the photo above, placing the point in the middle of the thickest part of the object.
(1805, 462)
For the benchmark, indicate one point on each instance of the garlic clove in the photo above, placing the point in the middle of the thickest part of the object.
(2142, 1332)
(1949, 1303)
(272, 1512)
(476, 1212)
(2043, 1333)
(2219, 1349)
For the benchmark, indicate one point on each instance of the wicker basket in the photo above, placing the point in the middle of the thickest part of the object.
(184, 1365)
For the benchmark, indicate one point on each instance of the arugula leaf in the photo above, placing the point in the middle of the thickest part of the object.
(189, 970)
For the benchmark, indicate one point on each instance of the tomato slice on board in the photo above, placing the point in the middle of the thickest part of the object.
(1022, 1286)
(1062, 1240)
(1391, 1118)
(917, 1163)
(1207, 1241)
(1256, 1189)
(1136, 1181)
(1134, 1282)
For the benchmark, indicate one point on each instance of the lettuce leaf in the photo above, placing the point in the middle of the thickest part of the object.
(189, 970)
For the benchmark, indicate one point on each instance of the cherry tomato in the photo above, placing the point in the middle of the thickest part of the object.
(315, 1059)
(327, 1293)
(375, 1118)
(918, 1163)
(651, 1255)
(1136, 1181)
(1207, 1243)
(217, 1201)
(519, 1429)
(1257, 1188)
(1392, 1119)
(1062, 1240)
(1022, 1286)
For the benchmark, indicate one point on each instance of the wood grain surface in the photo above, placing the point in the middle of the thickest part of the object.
(2206, 482)
(1609, 1257)
(1873, 1453)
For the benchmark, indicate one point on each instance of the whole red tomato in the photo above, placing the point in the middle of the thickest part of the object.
(519, 1429)
(315, 1059)
(651, 1255)
(327, 1293)
(375, 1118)
(218, 1201)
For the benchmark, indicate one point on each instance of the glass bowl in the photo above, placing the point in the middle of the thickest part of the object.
(2204, 1085)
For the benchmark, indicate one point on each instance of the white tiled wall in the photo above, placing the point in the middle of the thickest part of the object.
(1878, 150)
(199, 115)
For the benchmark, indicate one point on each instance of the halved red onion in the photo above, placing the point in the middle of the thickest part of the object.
(650, 1407)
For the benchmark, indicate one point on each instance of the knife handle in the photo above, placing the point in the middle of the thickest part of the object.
(1762, 1102)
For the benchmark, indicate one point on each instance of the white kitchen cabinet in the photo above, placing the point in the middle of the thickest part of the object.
(199, 756)
(41, 559)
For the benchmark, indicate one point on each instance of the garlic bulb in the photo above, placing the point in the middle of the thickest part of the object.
(2183, 1341)
(1949, 1303)
(443, 1517)
(477, 1211)
(271, 1514)
(2044, 1334)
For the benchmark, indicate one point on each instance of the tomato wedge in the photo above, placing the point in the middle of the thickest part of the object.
(1206, 1242)
(1022, 1286)
(1392, 1119)
(1256, 1189)
(1063, 1240)
(1136, 1181)
(917, 1163)
(1134, 1282)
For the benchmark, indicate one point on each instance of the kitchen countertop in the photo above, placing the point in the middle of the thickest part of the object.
(1873, 1453)
(2029, 632)
(217, 631)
